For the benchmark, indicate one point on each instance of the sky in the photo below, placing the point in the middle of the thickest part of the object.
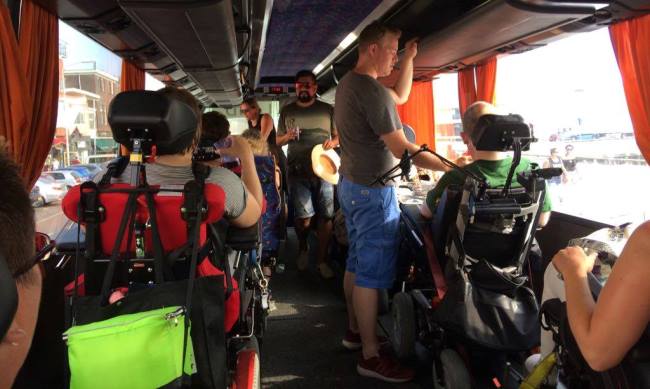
(82, 49)
(554, 86)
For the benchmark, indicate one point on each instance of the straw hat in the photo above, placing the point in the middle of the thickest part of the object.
(325, 164)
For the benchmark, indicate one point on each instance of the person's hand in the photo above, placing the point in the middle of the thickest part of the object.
(239, 148)
(463, 161)
(574, 261)
(330, 144)
(411, 48)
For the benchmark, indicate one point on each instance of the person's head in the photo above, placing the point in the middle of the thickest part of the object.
(215, 126)
(378, 45)
(554, 152)
(470, 119)
(258, 145)
(568, 149)
(17, 247)
(306, 86)
(184, 147)
(250, 108)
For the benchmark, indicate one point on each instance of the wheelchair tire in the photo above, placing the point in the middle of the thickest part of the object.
(454, 372)
(403, 314)
(247, 373)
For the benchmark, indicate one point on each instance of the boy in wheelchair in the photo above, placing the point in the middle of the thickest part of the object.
(482, 235)
(493, 165)
(167, 236)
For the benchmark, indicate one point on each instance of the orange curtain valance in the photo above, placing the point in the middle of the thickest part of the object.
(418, 113)
(631, 43)
(132, 77)
(477, 84)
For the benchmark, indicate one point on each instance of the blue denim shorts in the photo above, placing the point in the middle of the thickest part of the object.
(372, 220)
(305, 192)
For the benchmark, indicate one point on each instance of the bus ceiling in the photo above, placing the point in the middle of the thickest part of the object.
(221, 50)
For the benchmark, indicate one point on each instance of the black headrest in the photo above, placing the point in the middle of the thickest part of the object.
(497, 132)
(8, 297)
(159, 119)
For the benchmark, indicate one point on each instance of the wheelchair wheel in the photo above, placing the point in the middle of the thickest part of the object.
(403, 314)
(450, 371)
(247, 375)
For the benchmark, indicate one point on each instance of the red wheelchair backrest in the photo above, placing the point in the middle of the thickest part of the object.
(172, 227)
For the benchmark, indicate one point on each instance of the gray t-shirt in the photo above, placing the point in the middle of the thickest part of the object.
(176, 177)
(316, 124)
(364, 111)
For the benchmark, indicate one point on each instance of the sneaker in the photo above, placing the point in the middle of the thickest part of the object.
(325, 271)
(303, 260)
(385, 368)
(352, 340)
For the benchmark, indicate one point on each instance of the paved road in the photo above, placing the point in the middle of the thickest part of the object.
(50, 219)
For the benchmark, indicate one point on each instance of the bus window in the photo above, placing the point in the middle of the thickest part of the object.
(571, 93)
(447, 116)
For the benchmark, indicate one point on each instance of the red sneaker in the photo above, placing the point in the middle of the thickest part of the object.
(385, 368)
(352, 340)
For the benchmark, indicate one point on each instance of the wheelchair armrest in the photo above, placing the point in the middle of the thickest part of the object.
(243, 239)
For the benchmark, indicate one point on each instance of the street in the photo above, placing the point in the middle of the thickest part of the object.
(50, 219)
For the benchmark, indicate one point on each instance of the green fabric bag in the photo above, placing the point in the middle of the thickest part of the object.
(138, 351)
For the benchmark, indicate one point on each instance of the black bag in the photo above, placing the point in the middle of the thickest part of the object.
(207, 318)
(490, 318)
(202, 298)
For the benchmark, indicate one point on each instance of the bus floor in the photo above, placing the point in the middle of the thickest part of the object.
(302, 344)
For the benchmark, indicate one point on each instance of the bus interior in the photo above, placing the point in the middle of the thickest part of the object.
(223, 51)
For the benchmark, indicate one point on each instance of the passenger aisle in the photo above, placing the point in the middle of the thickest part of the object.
(302, 345)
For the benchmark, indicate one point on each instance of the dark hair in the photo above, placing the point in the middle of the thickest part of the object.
(215, 126)
(189, 99)
(251, 101)
(373, 33)
(306, 73)
(16, 218)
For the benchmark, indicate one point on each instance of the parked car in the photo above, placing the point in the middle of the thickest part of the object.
(92, 167)
(82, 171)
(68, 177)
(49, 190)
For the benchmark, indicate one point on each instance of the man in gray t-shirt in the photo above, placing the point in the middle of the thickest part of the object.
(310, 195)
(371, 138)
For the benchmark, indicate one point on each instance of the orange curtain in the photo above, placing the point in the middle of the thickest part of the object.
(631, 42)
(477, 83)
(39, 56)
(466, 88)
(132, 77)
(418, 113)
(15, 104)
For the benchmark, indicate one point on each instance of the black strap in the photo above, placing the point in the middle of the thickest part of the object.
(110, 271)
(160, 264)
(217, 242)
(90, 212)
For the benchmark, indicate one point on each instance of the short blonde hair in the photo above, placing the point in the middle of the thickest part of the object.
(258, 145)
(473, 113)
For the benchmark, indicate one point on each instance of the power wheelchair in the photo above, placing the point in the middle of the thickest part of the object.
(462, 290)
(138, 235)
(565, 364)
